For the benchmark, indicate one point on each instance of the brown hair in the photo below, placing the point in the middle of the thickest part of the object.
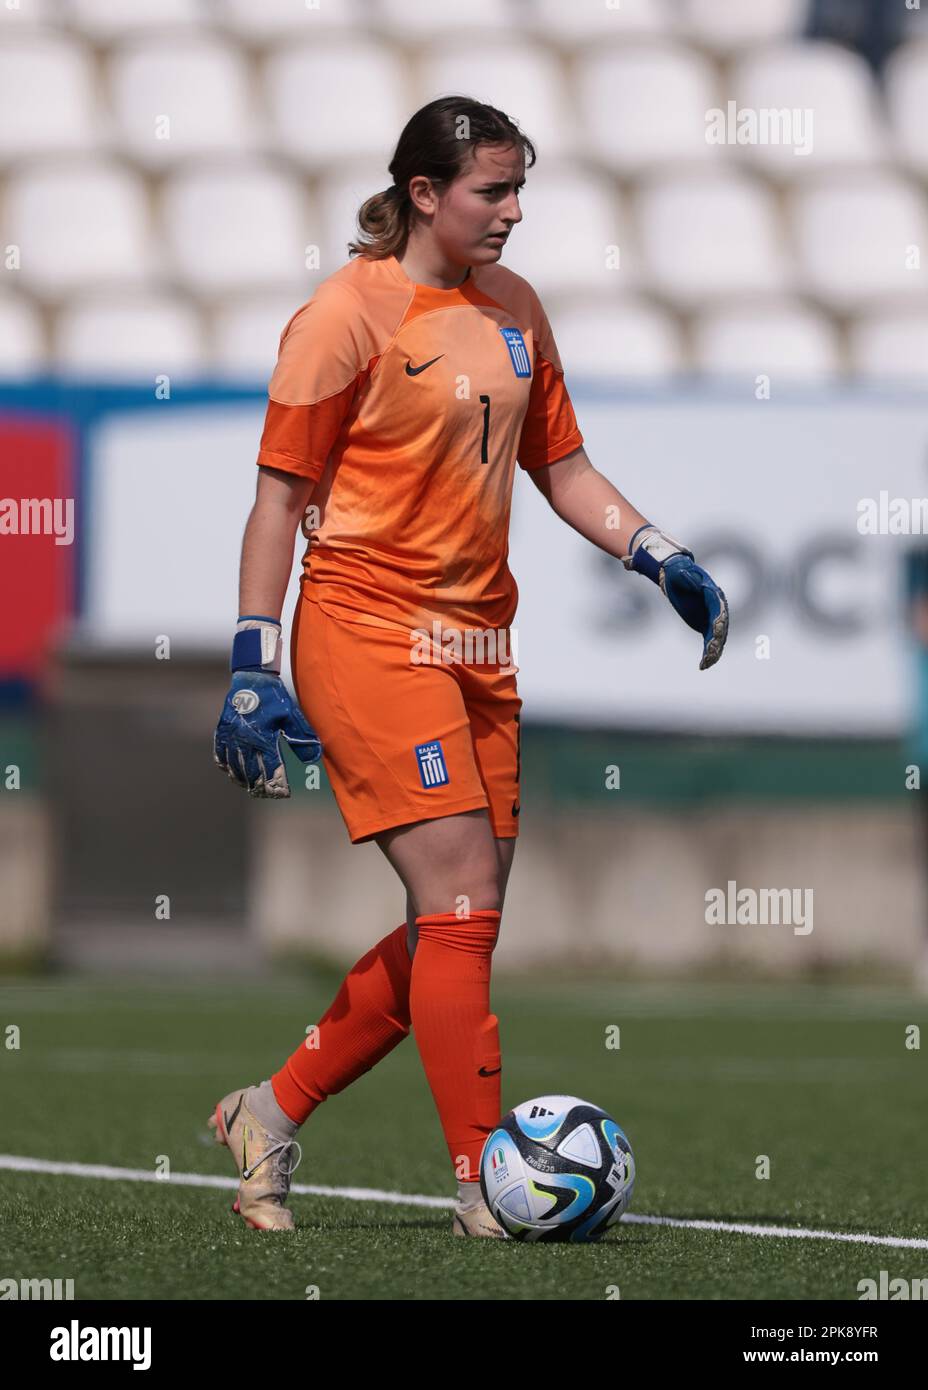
(432, 143)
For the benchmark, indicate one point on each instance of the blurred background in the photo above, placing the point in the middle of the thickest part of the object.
(726, 225)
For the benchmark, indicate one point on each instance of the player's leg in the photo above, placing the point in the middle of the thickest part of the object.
(451, 871)
(494, 714)
(373, 709)
(366, 1020)
(370, 1014)
(505, 849)
(334, 665)
(493, 709)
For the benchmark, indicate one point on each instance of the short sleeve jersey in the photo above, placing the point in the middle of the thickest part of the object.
(410, 406)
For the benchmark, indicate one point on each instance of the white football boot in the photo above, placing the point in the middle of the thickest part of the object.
(263, 1162)
(476, 1220)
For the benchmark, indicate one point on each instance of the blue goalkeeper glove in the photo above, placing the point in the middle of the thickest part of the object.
(692, 592)
(257, 711)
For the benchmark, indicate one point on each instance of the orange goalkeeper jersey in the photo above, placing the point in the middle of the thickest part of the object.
(411, 406)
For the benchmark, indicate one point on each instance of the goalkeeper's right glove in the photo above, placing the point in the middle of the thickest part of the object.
(257, 711)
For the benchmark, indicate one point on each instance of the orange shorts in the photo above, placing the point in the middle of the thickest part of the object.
(402, 741)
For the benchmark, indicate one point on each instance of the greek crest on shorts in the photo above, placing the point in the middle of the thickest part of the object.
(431, 760)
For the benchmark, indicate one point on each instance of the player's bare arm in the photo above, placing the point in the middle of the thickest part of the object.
(588, 502)
(267, 546)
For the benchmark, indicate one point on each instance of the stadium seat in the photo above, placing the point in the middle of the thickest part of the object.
(890, 346)
(723, 25)
(709, 234)
(629, 338)
(530, 76)
(22, 340)
(645, 105)
(108, 19)
(78, 223)
(313, 93)
(48, 100)
(199, 84)
(783, 340)
(571, 220)
(411, 20)
(856, 238)
(269, 20)
(906, 78)
(822, 80)
(246, 331)
(596, 21)
(235, 226)
(135, 336)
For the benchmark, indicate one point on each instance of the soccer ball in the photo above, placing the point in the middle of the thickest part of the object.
(557, 1168)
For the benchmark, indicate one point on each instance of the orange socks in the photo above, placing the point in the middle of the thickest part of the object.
(444, 994)
(457, 1036)
(365, 1021)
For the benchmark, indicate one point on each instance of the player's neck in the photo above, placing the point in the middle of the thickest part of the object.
(431, 269)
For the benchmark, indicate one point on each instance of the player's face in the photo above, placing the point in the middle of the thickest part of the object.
(481, 204)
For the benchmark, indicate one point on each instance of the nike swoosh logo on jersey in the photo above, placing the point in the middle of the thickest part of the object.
(483, 1071)
(414, 371)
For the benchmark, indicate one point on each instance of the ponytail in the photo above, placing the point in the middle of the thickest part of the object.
(384, 221)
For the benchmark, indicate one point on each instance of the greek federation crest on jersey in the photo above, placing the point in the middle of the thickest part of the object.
(431, 759)
(518, 352)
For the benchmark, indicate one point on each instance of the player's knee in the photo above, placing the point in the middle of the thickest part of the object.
(462, 884)
(462, 904)
(480, 896)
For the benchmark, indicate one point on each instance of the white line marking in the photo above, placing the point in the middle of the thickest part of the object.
(16, 1164)
(744, 1228)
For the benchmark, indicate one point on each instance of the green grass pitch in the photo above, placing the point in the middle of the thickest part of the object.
(706, 1079)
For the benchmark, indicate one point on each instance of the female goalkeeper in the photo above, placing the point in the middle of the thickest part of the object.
(406, 391)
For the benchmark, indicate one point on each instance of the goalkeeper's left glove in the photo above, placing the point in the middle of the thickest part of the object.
(258, 710)
(692, 592)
